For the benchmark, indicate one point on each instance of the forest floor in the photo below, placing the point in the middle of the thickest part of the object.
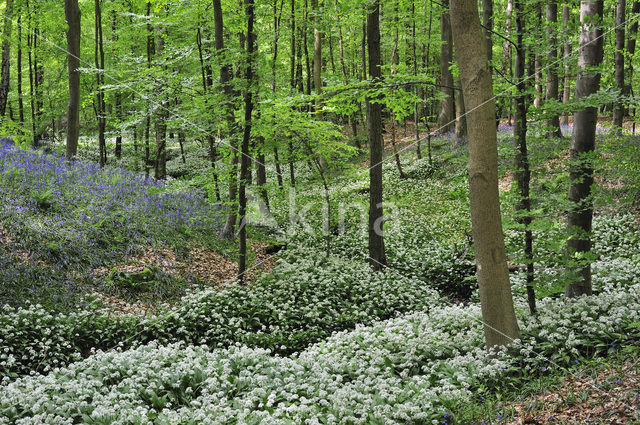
(602, 393)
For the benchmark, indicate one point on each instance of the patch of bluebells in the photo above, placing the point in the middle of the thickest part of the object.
(77, 214)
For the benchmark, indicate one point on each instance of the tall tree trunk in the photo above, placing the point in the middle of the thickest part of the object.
(30, 50)
(100, 104)
(552, 74)
(582, 147)
(244, 162)
(523, 174)
(566, 90)
(395, 61)
(161, 118)
(416, 106)
(293, 43)
(507, 68)
(537, 100)
(117, 95)
(226, 74)
(446, 117)
(631, 48)
(72, 15)
(305, 43)
(19, 69)
(317, 48)
(6, 57)
(618, 62)
(377, 257)
(498, 315)
(147, 127)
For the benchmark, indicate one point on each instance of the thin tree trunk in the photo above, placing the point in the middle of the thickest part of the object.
(582, 146)
(460, 131)
(32, 94)
(566, 91)
(498, 315)
(537, 100)
(618, 62)
(552, 74)
(6, 57)
(244, 162)
(631, 49)
(377, 257)
(100, 104)
(147, 128)
(72, 15)
(487, 22)
(306, 45)
(19, 69)
(161, 119)
(521, 160)
(507, 68)
(416, 106)
(446, 117)
(226, 74)
(395, 61)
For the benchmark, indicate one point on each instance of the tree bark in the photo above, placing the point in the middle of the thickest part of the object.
(446, 117)
(19, 70)
(377, 257)
(317, 48)
(552, 74)
(226, 74)
(582, 146)
(521, 160)
(100, 104)
(498, 314)
(72, 15)
(487, 22)
(460, 132)
(566, 91)
(537, 100)
(244, 161)
(618, 62)
(6, 57)
(631, 48)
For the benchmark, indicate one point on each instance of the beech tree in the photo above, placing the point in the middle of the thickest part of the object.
(580, 213)
(72, 14)
(377, 257)
(498, 314)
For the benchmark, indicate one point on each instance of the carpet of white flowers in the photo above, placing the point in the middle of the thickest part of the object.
(412, 369)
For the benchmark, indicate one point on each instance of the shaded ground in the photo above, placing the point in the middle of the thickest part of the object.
(202, 265)
(605, 394)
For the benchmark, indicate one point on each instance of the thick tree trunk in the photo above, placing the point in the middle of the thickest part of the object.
(582, 147)
(244, 161)
(552, 74)
(6, 57)
(521, 160)
(498, 315)
(618, 62)
(447, 116)
(377, 257)
(72, 15)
